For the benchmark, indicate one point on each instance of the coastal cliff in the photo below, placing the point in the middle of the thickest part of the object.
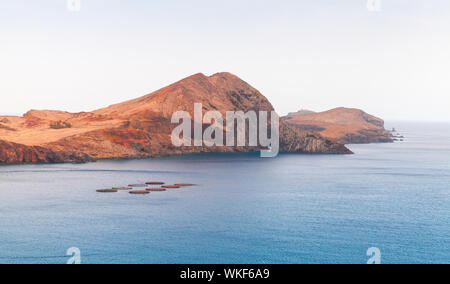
(13, 153)
(141, 128)
(346, 125)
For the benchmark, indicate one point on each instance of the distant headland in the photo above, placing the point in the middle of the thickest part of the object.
(346, 125)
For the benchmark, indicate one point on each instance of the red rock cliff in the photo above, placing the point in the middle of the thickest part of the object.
(141, 128)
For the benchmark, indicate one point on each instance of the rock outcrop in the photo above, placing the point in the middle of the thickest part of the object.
(13, 153)
(346, 125)
(301, 112)
(141, 128)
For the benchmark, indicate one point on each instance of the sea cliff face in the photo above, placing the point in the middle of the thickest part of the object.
(12, 153)
(141, 128)
(345, 125)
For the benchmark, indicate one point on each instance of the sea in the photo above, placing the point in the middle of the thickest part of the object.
(391, 199)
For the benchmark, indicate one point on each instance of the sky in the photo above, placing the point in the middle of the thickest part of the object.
(317, 54)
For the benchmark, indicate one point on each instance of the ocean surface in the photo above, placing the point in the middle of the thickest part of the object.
(292, 209)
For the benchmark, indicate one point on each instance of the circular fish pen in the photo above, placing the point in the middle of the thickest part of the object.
(171, 186)
(137, 185)
(107, 190)
(139, 192)
(122, 187)
(155, 183)
(156, 189)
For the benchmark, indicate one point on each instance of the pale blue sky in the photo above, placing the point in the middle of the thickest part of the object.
(315, 54)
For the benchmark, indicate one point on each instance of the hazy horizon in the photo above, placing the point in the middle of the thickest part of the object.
(314, 55)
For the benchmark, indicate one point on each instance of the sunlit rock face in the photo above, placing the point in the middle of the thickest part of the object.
(141, 128)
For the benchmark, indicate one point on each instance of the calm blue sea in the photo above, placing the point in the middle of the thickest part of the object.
(292, 209)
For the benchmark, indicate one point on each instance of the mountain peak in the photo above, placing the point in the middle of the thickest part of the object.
(197, 76)
(212, 78)
(198, 88)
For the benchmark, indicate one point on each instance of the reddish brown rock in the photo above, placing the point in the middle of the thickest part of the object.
(13, 153)
(141, 128)
(346, 125)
